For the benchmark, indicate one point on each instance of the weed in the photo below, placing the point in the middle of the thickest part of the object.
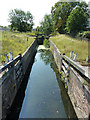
(66, 87)
(86, 83)
(14, 42)
(66, 44)
(46, 43)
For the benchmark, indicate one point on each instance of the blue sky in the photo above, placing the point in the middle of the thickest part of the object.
(38, 9)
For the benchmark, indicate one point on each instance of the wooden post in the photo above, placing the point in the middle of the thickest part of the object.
(10, 56)
(7, 60)
(71, 54)
(75, 57)
(87, 59)
(27, 42)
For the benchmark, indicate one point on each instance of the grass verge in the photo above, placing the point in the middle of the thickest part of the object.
(66, 44)
(14, 42)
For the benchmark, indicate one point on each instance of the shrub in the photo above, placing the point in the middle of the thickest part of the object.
(46, 43)
(84, 34)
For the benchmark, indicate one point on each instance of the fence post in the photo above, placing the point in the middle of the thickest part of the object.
(71, 54)
(75, 57)
(7, 60)
(10, 56)
(87, 59)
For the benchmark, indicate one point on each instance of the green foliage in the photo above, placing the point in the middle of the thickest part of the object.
(47, 57)
(60, 13)
(33, 33)
(84, 34)
(20, 20)
(67, 75)
(62, 79)
(14, 42)
(77, 21)
(46, 25)
(66, 44)
(46, 43)
(66, 87)
(62, 10)
(86, 83)
(54, 33)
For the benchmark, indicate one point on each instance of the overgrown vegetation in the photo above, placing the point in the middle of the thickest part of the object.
(86, 83)
(84, 34)
(14, 42)
(46, 43)
(66, 44)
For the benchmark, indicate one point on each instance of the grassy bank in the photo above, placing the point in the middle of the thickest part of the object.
(66, 44)
(14, 42)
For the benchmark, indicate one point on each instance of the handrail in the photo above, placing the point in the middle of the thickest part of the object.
(10, 63)
(73, 64)
(77, 66)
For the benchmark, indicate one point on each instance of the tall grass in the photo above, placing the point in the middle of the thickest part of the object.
(14, 42)
(66, 44)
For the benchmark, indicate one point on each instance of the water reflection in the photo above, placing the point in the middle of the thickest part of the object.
(45, 95)
(48, 59)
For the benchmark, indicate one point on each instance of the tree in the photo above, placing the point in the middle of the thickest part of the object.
(62, 10)
(77, 21)
(46, 25)
(20, 20)
(60, 13)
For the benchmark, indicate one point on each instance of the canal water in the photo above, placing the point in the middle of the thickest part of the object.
(45, 95)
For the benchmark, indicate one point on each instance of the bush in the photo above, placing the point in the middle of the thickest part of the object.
(84, 34)
(46, 43)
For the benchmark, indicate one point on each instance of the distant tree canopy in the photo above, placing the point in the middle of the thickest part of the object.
(20, 20)
(61, 11)
(46, 25)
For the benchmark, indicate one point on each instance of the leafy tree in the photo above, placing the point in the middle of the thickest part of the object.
(37, 29)
(46, 25)
(77, 21)
(60, 13)
(62, 10)
(20, 20)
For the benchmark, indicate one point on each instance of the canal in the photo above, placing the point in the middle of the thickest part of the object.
(45, 95)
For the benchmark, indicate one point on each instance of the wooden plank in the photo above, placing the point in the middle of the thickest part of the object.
(65, 64)
(9, 64)
(77, 66)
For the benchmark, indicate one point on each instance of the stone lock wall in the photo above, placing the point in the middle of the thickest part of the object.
(74, 78)
(14, 73)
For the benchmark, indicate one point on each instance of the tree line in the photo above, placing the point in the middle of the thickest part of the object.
(65, 17)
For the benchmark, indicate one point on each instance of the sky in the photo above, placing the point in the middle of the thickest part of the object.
(38, 9)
